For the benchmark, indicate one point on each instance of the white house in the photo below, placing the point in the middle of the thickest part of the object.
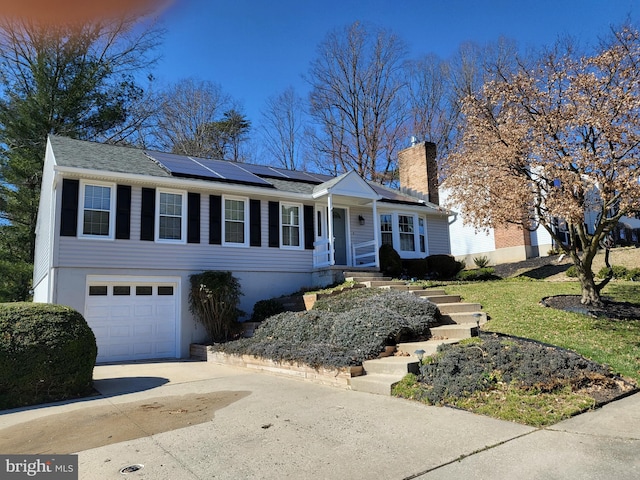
(120, 231)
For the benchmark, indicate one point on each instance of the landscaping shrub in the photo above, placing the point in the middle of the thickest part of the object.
(214, 298)
(634, 274)
(459, 370)
(481, 262)
(620, 272)
(264, 309)
(572, 272)
(344, 330)
(415, 268)
(47, 353)
(390, 261)
(444, 266)
(479, 274)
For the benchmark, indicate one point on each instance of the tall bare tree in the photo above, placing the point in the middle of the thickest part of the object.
(555, 139)
(283, 127)
(358, 100)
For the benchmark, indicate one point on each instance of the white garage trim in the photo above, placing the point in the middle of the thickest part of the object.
(148, 314)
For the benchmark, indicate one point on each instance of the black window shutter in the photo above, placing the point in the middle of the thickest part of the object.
(308, 227)
(193, 218)
(123, 212)
(274, 224)
(215, 219)
(69, 213)
(255, 224)
(148, 214)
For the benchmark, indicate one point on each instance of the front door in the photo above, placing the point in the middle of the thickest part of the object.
(340, 235)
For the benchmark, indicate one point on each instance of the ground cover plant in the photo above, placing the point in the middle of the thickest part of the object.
(341, 330)
(512, 379)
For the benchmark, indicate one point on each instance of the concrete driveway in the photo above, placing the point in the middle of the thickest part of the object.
(194, 420)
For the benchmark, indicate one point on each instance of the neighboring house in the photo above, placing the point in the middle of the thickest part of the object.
(120, 231)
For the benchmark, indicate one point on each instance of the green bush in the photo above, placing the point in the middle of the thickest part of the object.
(214, 298)
(415, 267)
(341, 330)
(444, 266)
(47, 353)
(479, 274)
(390, 261)
(572, 272)
(620, 272)
(633, 274)
(481, 262)
(264, 309)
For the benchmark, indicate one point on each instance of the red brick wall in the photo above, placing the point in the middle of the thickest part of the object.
(512, 236)
(418, 170)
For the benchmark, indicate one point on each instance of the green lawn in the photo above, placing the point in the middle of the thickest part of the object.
(514, 308)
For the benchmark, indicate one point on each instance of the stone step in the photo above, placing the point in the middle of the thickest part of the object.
(464, 318)
(363, 279)
(455, 331)
(429, 346)
(438, 299)
(391, 366)
(378, 384)
(459, 307)
(382, 283)
(430, 292)
(366, 274)
(401, 286)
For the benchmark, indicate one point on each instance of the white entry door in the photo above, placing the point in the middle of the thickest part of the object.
(133, 320)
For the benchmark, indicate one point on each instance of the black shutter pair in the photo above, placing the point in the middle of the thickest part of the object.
(216, 216)
(274, 225)
(70, 206)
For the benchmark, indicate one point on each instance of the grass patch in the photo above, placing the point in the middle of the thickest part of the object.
(514, 308)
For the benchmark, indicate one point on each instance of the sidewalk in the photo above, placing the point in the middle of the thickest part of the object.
(267, 427)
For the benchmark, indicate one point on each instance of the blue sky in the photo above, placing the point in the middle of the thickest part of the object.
(257, 48)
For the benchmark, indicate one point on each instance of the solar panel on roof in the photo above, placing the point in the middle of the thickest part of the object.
(218, 170)
(266, 171)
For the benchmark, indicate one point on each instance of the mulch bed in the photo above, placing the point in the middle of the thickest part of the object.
(611, 310)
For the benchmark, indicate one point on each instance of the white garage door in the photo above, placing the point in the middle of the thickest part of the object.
(133, 321)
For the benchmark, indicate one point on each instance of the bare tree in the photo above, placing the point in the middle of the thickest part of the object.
(283, 128)
(358, 100)
(184, 113)
(555, 139)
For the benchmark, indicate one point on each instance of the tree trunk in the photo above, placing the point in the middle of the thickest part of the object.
(590, 292)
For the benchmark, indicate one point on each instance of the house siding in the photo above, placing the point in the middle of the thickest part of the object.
(437, 236)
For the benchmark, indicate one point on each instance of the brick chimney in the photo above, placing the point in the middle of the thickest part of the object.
(419, 170)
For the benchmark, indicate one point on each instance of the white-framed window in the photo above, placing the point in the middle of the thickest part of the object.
(171, 213)
(97, 218)
(422, 234)
(386, 229)
(407, 233)
(290, 231)
(236, 224)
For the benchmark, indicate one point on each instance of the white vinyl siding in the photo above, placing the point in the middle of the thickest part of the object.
(96, 213)
(236, 225)
(290, 230)
(171, 208)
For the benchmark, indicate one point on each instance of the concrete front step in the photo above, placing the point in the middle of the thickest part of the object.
(438, 299)
(429, 346)
(401, 286)
(430, 292)
(462, 318)
(391, 366)
(379, 384)
(459, 307)
(364, 273)
(455, 331)
(382, 283)
(363, 279)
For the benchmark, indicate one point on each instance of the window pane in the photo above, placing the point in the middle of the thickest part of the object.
(97, 197)
(95, 223)
(170, 204)
(234, 232)
(407, 241)
(122, 290)
(170, 228)
(290, 225)
(144, 290)
(165, 290)
(100, 290)
(386, 228)
(421, 232)
(234, 221)
(234, 210)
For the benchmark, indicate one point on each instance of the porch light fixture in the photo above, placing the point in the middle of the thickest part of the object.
(420, 354)
(360, 219)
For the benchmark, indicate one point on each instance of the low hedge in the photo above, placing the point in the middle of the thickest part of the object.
(47, 353)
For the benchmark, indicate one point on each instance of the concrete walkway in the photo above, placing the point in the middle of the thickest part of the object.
(275, 428)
